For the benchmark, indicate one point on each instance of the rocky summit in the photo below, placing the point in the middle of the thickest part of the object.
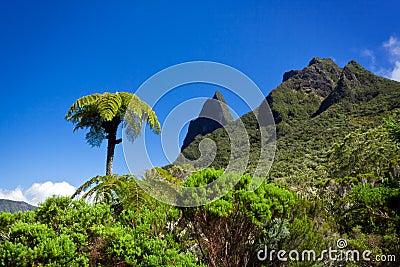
(214, 114)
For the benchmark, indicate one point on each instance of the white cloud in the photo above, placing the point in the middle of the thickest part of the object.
(395, 75)
(370, 54)
(38, 192)
(15, 194)
(392, 46)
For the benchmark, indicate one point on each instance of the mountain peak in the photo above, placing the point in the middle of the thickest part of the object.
(215, 108)
(316, 67)
(218, 96)
(354, 66)
(354, 63)
(317, 60)
(214, 114)
(319, 77)
(357, 86)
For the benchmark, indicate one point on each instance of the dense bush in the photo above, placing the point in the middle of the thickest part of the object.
(62, 232)
(228, 231)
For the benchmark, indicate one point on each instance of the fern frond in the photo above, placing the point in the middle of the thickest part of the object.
(126, 98)
(81, 103)
(109, 106)
(138, 112)
(86, 185)
(95, 136)
(113, 189)
(153, 122)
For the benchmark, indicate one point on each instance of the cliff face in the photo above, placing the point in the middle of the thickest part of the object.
(214, 114)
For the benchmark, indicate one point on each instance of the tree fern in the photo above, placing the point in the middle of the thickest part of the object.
(119, 190)
(102, 114)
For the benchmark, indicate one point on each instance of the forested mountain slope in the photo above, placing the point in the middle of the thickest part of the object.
(314, 109)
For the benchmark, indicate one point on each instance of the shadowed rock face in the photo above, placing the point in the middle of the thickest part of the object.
(213, 115)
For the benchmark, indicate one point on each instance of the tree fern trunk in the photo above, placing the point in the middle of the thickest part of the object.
(111, 128)
(110, 153)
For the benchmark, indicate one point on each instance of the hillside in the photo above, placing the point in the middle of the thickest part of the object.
(313, 108)
(14, 206)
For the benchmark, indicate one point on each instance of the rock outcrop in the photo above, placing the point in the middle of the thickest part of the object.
(214, 114)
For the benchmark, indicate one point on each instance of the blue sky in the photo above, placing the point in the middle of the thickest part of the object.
(53, 52)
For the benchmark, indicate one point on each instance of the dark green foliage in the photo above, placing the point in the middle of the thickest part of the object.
(310, 227)
(394, 129)
(373, 208)
(362, 152)
(370, 216)
(366, 205)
